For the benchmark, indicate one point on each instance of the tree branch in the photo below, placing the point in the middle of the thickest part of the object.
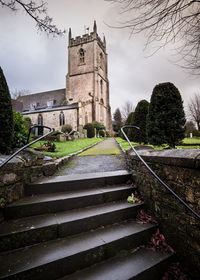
(38, 12)
(166, 22)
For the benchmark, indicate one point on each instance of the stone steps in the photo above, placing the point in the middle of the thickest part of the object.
(66, 225)
(77, 182)
(141, 265)
(56, 202)
(56, 258)
(27, 231)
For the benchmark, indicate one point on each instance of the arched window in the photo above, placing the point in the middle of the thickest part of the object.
(40, 122)
(101, 87)
(62, 118)
(81, 56)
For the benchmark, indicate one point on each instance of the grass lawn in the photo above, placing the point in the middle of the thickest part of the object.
(68, 147)
(191, 140)
(126, 146)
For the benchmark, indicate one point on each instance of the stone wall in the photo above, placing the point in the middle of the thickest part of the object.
(28, 166)
(180, 169)
(21, 170)
(51, 118)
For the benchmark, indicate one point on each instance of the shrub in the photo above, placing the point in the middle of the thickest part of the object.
(98, 125)
(28, 122)
(90, 130)
(166, 118)
(53, 136)
(66, 128)
(20, 131)
(6, 115)
(101, 133)
(196, 133)
(107, 133)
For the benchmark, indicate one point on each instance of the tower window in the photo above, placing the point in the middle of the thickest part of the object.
(62, 118)
(101, 60)
(81, 56)
(101, 86)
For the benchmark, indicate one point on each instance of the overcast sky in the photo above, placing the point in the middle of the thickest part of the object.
(35, 62)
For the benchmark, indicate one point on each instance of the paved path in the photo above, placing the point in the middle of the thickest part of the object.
(105, 156)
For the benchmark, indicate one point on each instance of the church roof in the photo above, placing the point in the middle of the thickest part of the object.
(40, 100)
(17, 105)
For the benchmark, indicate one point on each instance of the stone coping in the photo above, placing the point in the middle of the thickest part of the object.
(30, 157)
(176, 157)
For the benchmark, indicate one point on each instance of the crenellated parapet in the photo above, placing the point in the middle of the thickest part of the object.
(86, 38)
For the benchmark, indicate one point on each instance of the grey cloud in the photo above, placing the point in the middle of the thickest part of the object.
(33, 61)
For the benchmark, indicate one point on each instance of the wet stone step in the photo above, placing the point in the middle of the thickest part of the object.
(77, 182)
(141, 265)
(59, 257)
(56, 202)
(27, 231)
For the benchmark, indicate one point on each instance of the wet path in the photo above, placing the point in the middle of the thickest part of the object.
(105, 156)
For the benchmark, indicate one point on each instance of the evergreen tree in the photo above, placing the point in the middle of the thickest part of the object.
(130, 121)
(117, 120)
(166, 116)
(128, 131)
(6, 115)
(140, 120)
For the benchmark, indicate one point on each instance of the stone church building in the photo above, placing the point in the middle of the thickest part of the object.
(86, 96)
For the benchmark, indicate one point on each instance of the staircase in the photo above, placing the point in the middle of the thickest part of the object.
(78, 227)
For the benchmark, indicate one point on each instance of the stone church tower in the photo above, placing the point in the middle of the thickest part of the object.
(87, 81)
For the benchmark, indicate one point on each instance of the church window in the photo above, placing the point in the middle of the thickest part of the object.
(33, 106)
(50, 103)
(62, 118)
(81, 56)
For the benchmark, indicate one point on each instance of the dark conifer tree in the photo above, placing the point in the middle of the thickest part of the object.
(117, 124)
(127, 122)
(140, 120)
(131, 131)
(166, 117)
(6, 115)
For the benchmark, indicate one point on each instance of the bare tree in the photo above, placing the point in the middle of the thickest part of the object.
(194, 109)
(17, 93)
(169, 21)
(37, 11)
(127, 108)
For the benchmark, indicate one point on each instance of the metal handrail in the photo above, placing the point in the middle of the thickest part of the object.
(28, 144)
(154, 174)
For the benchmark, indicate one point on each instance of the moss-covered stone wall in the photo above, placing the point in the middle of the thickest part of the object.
(180, 169)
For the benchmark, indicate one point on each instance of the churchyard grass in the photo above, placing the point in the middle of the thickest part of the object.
(190, 141)
(68, 147)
